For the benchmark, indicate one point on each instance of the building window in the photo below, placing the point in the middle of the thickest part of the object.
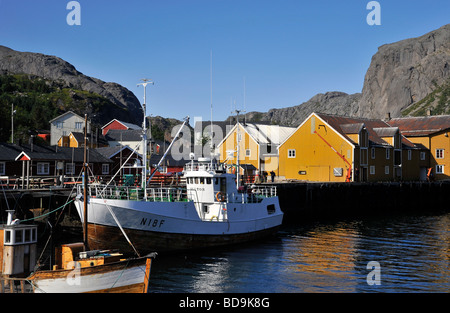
(422, 155)
(439, 153)
(2, 168)
(43, 168)
(78, 125)
(409, 155)
(247, 152)
(439, 169)
(291, 153)
(105, 168)
(59, 125)
(372, 170)
(386, 169)
(388, 154)
(372, 153)
(70, 168)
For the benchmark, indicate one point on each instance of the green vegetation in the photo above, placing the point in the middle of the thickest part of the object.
(37, 101)
(157, 132)
(438, 101)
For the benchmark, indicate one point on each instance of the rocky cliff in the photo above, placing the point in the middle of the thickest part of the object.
(405, 72)
(123, 104)
(400, 77)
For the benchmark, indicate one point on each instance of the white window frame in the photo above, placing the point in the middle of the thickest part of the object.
(439, 153)
(43, 168)
(292, 153)
(386, 170)
(439, 169)
(372, 170)
(422, 155)
(78, 125)
(60, 125)
(2, 168)
(105, 169)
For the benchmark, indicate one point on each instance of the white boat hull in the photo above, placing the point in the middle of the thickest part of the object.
(167, 226)
(123, 276)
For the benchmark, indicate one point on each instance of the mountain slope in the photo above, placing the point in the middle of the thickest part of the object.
(60, 74)
(405, 72)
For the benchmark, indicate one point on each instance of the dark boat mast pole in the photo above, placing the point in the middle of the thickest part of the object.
(85, 174)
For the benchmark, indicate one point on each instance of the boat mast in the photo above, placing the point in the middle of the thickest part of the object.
(85, 178)
(144, 136)
(211, 132)
(237, 148)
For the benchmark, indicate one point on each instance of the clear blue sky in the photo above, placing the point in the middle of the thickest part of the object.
(286, 50)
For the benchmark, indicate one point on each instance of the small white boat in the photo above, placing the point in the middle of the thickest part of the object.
(93, 272)
(75, 271)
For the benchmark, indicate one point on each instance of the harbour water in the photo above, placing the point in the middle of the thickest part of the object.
(409, 253)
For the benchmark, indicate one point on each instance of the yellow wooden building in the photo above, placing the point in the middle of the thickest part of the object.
(431, 132)
(332, 148)
(258, 145)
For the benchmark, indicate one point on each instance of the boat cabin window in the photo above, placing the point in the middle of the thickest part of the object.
(7, 236)
(202, 180)
(27, 235)
(34, 234)
(223, 184)
(208, 180)
(216, 180)
(18, 235)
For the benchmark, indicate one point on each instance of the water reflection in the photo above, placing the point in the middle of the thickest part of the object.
(413, 252)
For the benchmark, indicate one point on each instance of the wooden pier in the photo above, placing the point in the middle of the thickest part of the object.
(301, 200)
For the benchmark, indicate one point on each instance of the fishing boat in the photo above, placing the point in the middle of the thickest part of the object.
(210, 210)
(78, 268)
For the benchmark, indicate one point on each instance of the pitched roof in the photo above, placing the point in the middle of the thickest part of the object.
(11, 152)
(421, 126)
(109, 152)
(124, 135)
(127, 125)
(66, 113)
(341, 123)
(268, 134)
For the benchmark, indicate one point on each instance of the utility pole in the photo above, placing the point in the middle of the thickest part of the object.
(12, 122)
(144, 135)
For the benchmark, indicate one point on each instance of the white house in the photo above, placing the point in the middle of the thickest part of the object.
(66, 123)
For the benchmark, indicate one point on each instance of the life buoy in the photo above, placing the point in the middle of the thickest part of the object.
(220, 197)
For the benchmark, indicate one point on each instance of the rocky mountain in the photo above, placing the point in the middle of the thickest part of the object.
(120, 102)
(406, 77)
(333, 102)
(405, 72)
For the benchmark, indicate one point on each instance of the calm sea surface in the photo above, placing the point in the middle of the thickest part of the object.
(413, 254)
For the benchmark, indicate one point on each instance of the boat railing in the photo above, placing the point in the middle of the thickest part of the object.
(202, 166)
(154, 194)
(265, 191)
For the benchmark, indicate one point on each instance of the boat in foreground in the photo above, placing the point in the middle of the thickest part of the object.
(75, 271)
(93, 272)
